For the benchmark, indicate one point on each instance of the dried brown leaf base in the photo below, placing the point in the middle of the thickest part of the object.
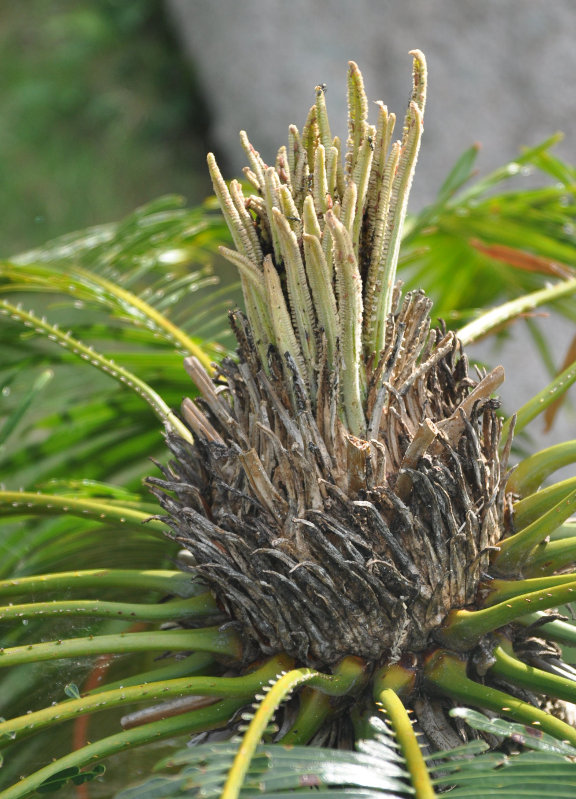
(320, 544)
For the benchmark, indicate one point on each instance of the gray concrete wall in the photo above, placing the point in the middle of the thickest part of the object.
(501, 73)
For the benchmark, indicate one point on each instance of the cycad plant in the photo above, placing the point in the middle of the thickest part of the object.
(352, 535)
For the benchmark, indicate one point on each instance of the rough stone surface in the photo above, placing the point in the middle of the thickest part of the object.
(498, 73)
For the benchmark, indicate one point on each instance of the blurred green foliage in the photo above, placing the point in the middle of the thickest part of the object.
(99, 114)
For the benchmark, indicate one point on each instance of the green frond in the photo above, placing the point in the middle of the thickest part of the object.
(533, 470)
(348, 673)
(18, 503)
(494, 318)
(408, 744)
(186, 723)
(167, 582)
(532, 507)
(464, 628)
(511, 240)
(88, 354)
(447, 673)
(516, 548)
(13, 419)
(377, 770)
(544, 398)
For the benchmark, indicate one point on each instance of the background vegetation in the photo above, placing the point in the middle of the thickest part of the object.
(99, 114)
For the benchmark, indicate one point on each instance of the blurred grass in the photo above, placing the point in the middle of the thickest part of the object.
(99, 115)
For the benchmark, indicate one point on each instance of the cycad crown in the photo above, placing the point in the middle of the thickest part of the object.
(344, 493)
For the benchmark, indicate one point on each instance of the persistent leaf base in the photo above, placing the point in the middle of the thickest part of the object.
(320, 544)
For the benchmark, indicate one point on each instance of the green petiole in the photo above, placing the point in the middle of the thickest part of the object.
(167, 582)
(196, 607)
(209, 639)
(208, 718)
(223, 687)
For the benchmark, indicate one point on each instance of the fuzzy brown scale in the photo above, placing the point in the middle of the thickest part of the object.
(320, 544)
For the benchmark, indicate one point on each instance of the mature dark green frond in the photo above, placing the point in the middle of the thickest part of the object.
(377, 770)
